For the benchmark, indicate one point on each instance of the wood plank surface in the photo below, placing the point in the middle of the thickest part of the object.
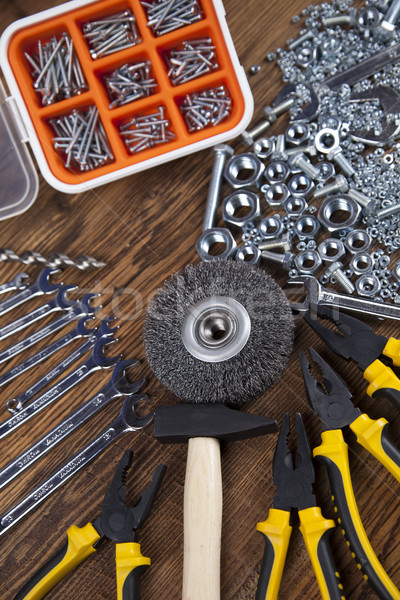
(145, 227)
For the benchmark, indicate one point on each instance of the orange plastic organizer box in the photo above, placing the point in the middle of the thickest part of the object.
(21, 41)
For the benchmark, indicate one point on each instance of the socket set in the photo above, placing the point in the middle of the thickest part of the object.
(104, 89)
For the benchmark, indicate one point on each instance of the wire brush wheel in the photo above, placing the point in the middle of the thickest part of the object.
(219, 331)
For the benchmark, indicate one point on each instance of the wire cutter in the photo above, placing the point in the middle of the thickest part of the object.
(358, 342)
(117, 522)
(294, 490)
(331, 401)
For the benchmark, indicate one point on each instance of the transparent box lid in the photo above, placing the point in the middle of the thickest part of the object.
(19, 181)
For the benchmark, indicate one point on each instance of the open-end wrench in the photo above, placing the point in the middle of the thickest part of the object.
(80, 309)
(389, 99)
(116, 387)
(79, 331)
(41, 286)
(16, 404)
(97, 360)
(320, 296)
(18, 283)
(59, 302)
(126, 422)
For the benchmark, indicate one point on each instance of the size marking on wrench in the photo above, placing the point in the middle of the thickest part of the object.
(16, 404)
(320, 296)
(20, 282)
(41, 286)
(59, 302)
(79, 331)
(127, 421)
(80, 309)
(97, 360)
(116, 387)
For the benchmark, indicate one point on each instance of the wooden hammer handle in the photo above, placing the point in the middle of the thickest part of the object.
(202, 521)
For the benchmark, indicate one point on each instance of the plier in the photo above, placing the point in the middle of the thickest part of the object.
(331, 401)
(294, 490)
(118, 523)
(356, 341)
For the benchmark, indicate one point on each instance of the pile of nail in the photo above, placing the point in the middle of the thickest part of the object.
(111, 34)
(191, 59)
(164, 16)
(129, 83)
(146, 131)
(81, 140)
(56, 70)
(206, 108)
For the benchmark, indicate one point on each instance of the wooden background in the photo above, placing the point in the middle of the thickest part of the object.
(145, 227)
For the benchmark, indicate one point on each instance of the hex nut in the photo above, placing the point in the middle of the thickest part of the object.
(368, 285)
(297, 133)
(361, 263)
(326, 140)
(276, 194)
(271, 227)
(307, 262)
(357, 240)
(301, 185)
(249, 254)
(326, 169)
(263, 148)
(306, 227)
(339, 205)
(239, 200)
(295, 206)
(241, 163)
(276, 172)
(331, 250)
(216, 235)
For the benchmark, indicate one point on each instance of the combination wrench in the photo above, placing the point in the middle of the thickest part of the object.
(41, 286)
(97, 360)
(116, 387)
(59, 302)
(79, 331)
(16, 404)
(126, 422)
(18, 283)
(320, 296)
(79, 309)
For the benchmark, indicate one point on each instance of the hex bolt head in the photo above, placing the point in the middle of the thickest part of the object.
(336, 154)
(284, 243)
(338, 185)
(221, 153)
(285, 260)
(300, 161)
(336, 270)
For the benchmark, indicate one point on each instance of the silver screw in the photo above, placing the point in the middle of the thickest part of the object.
(337, 156)
(391, 16)
(284, 243)
(271, 114)
(300, 161)
(339, 184)
(336, 270)
(286, 259)
(221, 153)
(388, 211)
(369, 204)
(309, 35)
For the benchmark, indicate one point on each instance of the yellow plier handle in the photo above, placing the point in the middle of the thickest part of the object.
(383, 382)
(78, 547)
(333, 452)
(130, 564)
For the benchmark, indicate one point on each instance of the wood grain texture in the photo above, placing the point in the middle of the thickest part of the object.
(145, 227)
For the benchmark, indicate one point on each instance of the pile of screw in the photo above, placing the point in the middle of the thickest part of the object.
(342, 228)
(146, 131)
(164, 16)
(56, 70)
(111, 34)
(206, 108)
(129, 83)
(191, 59)
(81, 140)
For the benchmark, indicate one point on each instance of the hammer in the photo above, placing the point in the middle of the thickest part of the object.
(203, 426)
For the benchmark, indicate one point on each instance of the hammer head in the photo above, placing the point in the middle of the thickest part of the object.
(180, 422)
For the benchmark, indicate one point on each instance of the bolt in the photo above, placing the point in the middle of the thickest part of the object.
(338, 185)
(279, 152)
(221, 153)
(310, 149)
(336, 270)
(286, 259)
(284, 243)
(388, 211)
(336, 154)
(300, 161)
(271, 114)
(369, 204)
(390, 18)
(311, 33)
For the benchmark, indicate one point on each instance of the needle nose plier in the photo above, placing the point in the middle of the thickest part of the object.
(118, 523)
(294, 490)
(331, 401)
(356, 341)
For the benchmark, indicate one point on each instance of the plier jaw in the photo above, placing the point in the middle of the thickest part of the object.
(332, 401)
(354, 339)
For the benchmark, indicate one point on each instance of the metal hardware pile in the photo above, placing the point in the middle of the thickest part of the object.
(146, 131)
(111, 34)
(323, 196)
(164, 16)
(206, 108)
(56, 70)
(191, 59)
(130, 82)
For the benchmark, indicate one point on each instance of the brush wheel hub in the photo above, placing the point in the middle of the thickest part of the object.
(216, 329)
